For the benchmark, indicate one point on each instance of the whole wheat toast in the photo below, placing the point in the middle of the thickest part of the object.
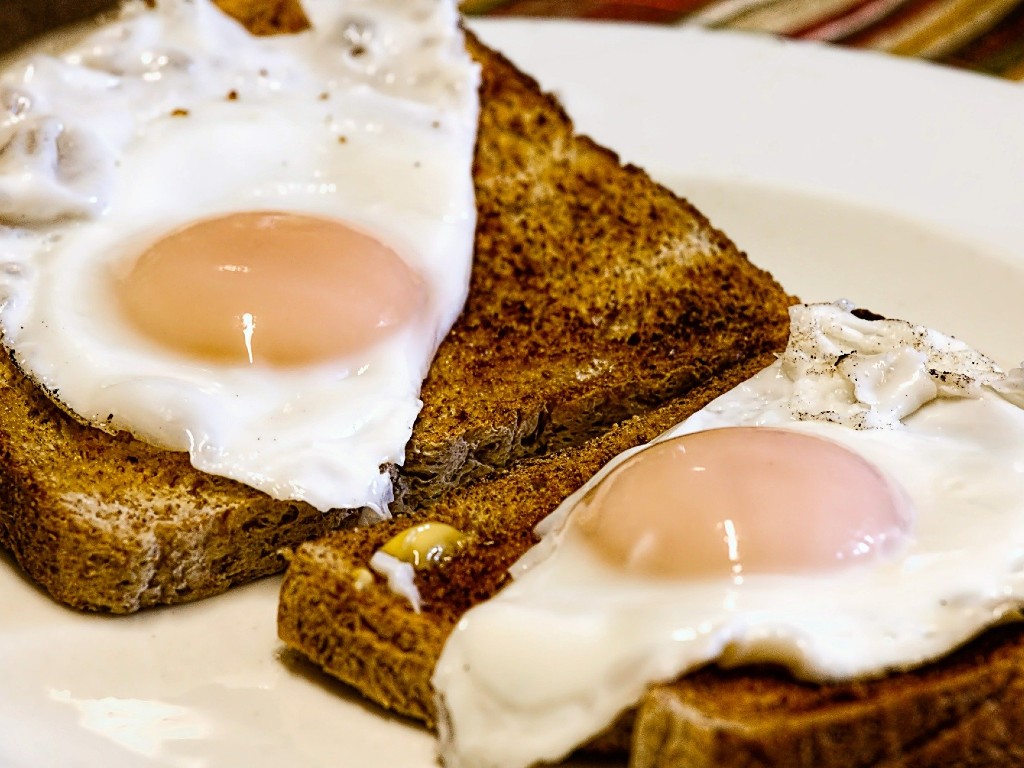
(579, 264)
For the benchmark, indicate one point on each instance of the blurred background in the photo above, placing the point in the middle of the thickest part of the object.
(982, 35)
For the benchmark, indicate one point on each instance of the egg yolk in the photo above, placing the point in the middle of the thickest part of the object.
(278, 288)
(732, 501)
(426, 544)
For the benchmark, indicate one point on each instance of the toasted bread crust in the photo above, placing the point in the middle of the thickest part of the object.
(110, 523)
(964, 710)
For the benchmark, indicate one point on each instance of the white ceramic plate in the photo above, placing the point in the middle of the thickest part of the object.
(896, 184)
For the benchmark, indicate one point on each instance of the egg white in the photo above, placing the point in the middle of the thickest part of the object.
(572, 641)
(170, 115)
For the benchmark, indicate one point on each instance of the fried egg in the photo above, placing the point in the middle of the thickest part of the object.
(244, 248)
(855, 508)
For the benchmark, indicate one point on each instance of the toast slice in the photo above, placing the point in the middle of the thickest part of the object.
(580, 264)
(964, 710)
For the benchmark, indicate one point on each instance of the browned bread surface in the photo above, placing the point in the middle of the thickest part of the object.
(581, 265)
(598, 295)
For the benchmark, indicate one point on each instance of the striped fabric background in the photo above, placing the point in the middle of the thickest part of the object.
(982, 35)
